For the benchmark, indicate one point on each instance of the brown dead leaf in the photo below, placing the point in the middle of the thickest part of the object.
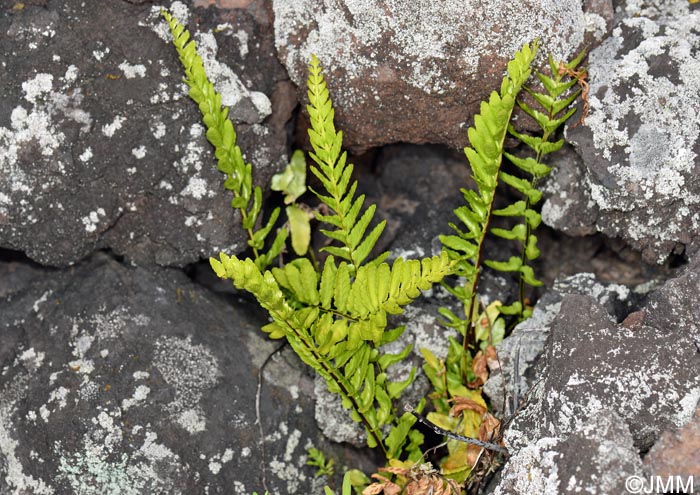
(492, 358)
(464, 404)
(479, 366)
(489, 427)
(580, 76)
(386, 486)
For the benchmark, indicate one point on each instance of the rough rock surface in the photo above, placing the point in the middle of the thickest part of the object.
(598, 458)
(641, 140)
(99, 145)
(650, 376)
(123, 381)
(677, 452)
(415, 72)
(527, 342)
(642, 374)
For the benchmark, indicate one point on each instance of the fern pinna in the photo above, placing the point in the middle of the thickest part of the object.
(335, 320)
(485, 156)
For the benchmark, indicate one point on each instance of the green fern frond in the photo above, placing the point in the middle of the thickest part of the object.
(556, 108)
(335, 174)
(485, 157)
(337, 323)
(222, 135)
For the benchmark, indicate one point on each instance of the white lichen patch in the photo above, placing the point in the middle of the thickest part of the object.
(14, 477)
(217, 461)
(242, 38)
(93, 219)
(31, 359)
(158, 129)
(42, 299)
(155, 22)
(226, 81)
(71, 74)
(26, 128)
(36, 88)
(140, 394)
(197, 188)
(101, 466)
(534, 469)
(141, 375)
(86, 155)
(139, 152)
(192, 420)
(191, 369)
(132, 71)
(100, 54)
(109, 129)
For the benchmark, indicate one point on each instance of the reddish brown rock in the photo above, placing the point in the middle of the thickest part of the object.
(677, 453)
(416, 71)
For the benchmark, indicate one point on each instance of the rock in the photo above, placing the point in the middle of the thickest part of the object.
(568, 207)
(117, 380)
(100, 146)
(417, 189)
(640, 375)
(648, 375)
(641, 141)
(527, 342)
(416, 72)
(598, 458)
(677, 452)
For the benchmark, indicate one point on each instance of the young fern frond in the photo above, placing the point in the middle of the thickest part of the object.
(556, 102)
(221, 134)
(335, 174)
(485, 157)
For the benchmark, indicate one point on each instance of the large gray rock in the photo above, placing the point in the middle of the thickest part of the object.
(528, 341)
(125, 381)
(100, 146)
(649, 376)
(415, 72)
(617, 385)
(641, 141)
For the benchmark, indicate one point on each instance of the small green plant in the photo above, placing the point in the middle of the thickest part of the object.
(325, 467)
(334, 311)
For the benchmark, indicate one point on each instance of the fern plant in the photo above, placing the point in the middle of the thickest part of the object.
(486, 158)
(335, 316)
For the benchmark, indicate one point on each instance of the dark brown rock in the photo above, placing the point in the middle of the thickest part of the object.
(677, 453)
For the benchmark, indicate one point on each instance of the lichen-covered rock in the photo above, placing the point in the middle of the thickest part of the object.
(642, 378)
(641, 140)
(127, 381)
(100, 146)
(415, 72)
(598, 458)
(649, 375)
(527, 342)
